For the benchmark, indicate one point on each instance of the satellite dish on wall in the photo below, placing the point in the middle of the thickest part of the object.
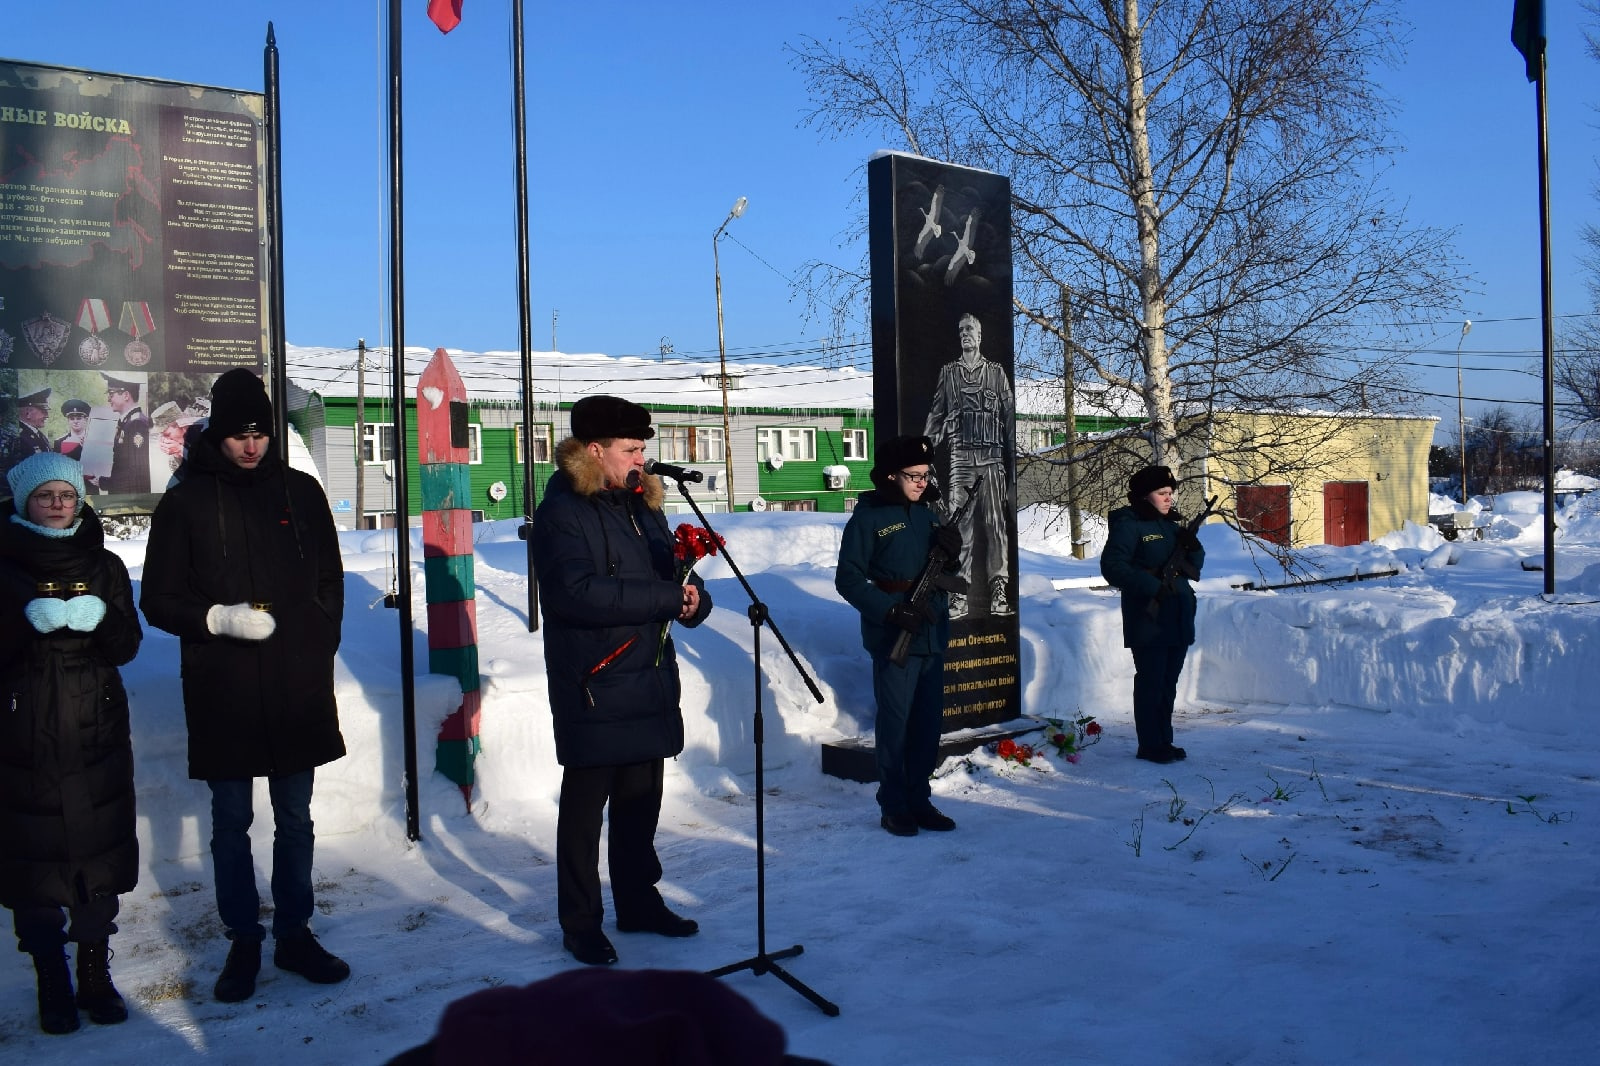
(775, 462)
(497, 491)
(757, 503)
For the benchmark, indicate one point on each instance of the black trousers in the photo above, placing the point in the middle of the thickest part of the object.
(634, 794)
(43, 929)
(1155, 688)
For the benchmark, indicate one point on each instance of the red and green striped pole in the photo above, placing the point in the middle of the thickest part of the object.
(443, 456)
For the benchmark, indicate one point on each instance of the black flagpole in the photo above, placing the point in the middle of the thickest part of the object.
(397, 352)
(1548, 314)
(524, 312)
(276, 342)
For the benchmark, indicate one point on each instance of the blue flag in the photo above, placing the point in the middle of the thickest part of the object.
(1527, 33)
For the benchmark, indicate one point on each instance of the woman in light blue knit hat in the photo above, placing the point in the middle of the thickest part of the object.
(68, 841)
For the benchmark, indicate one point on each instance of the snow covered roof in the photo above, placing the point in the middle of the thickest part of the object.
(562, 378)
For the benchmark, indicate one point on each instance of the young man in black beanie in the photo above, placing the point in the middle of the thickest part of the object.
(243, 567)
(609, 590)
(885, 546)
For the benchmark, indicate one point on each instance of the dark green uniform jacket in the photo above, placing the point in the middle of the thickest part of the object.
(1139, 544)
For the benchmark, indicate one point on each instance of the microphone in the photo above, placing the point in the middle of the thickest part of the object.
(677, 473)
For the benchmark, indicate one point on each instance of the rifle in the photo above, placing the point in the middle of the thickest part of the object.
(1178, 562)
(932, 577)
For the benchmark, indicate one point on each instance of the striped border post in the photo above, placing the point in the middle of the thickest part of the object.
(443, 456)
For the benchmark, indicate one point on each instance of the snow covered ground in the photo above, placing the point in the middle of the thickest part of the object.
(1380, 850)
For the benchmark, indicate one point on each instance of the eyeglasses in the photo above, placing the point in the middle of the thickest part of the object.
(917, 479)
(46, 498)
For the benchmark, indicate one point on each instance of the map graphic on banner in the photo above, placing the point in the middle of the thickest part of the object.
(133, 267)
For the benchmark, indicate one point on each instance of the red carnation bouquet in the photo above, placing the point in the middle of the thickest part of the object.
(690, 544)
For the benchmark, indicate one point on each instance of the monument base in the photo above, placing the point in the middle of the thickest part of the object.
(855, 759)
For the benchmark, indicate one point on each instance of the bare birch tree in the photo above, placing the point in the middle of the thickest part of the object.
(1204, 175)
(1577, 364)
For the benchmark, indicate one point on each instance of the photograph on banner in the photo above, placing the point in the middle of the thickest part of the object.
(133, 268)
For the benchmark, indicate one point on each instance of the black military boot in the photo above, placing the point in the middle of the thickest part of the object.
(238, 980)
(57, 1012)
(96, 994)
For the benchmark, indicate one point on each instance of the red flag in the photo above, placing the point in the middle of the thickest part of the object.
(446, 14)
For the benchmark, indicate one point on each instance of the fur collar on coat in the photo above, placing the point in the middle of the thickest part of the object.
(583, 471)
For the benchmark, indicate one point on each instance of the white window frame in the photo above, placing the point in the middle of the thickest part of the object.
(375, 447)
(854, 444)
(474, 443)
(793, 443)
(708, 444)
(682, 442)
(541, 435)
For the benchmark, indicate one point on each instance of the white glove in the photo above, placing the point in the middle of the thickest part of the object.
(240, 621)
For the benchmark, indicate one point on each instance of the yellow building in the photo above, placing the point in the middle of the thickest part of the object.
(1303, 479)
(1294, 479)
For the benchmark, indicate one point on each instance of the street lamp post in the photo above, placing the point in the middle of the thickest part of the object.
(722, 349)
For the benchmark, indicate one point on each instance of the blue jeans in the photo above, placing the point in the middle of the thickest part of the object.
(238, 902)
(906, 730)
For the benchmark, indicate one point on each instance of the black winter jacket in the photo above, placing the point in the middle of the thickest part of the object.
(225, 535)
(607, 586)
(67, 821)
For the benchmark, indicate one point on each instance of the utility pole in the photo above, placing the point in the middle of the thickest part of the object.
(1069, 387)
(361, 433)
(1461, 418)
(554, 315)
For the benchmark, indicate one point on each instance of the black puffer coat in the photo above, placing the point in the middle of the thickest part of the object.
(67, 826)
(225, 535)
(607, 585)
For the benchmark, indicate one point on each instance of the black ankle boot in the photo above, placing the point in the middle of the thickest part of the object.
(57, 1012)
(238, 980)
(96, 994)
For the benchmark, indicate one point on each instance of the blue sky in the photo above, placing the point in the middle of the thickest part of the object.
(647, 121)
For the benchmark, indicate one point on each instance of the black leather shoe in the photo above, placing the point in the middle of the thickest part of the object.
(662, 923)
(1176, 752)
(302, 954)
(901, 825)
(931, 818)
(590, 948)
(238, 980)
(1158, 755)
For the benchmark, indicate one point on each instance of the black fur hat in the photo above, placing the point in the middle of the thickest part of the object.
(606, 417)
(1148, 480)
(897, 453)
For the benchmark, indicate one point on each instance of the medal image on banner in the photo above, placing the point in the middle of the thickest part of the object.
(136, 321)
(92, 316)
(46, 335)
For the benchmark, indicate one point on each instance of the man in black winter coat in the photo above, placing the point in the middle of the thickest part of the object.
(243, 566)
(609, 591)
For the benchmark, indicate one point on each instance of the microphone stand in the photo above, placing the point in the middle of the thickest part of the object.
(763, 961)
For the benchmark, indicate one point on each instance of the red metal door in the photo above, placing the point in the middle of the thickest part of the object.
(1344, 513)
(1264, 511)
